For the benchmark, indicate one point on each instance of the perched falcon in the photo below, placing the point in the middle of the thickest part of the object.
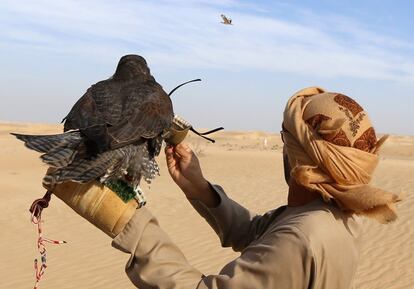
(226, 21)
(113, 132)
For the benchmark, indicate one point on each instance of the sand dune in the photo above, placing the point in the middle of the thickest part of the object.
(247, 166)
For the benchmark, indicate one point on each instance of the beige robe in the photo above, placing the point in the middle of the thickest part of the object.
(312, 246)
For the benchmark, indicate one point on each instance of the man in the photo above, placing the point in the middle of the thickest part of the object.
(330, 152)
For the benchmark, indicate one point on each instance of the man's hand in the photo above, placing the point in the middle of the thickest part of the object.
(185, 170)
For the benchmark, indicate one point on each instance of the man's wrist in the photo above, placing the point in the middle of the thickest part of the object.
(202, 192)
(195, 189)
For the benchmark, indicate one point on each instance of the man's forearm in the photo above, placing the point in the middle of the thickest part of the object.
(204, 193)
(155, 262)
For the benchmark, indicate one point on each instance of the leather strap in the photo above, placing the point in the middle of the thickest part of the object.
(203, 134)
(177, 87)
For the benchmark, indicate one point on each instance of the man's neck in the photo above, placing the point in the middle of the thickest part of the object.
(299, 195)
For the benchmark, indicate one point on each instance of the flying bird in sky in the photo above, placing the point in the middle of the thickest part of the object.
(226, 21)
(113, 132)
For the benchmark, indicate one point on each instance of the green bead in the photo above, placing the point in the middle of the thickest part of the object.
(122, 189)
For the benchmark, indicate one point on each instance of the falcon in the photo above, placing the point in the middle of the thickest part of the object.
(112, 133)
(226, 21)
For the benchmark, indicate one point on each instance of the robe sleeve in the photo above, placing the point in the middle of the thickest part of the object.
(235, 225)
(282, 259)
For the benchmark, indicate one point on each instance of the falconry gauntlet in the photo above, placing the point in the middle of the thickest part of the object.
(98, 204)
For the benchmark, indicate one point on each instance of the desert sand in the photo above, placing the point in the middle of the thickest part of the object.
(251, 173)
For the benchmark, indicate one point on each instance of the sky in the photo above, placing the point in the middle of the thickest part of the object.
(52, 51)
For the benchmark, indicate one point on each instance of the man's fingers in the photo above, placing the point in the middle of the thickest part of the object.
(183, 150)
(169, 154)
(169, 150)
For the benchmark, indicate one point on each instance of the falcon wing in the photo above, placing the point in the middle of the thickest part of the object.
(113, 114)
(83, 114)
(148, 121)
(225, 19)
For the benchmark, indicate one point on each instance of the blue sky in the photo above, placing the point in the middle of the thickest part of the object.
(52, 51)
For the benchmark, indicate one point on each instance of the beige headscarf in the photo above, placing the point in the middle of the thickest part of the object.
(332, 149)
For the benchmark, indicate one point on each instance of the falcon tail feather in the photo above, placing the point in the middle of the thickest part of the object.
(58, 150)
(59, 157)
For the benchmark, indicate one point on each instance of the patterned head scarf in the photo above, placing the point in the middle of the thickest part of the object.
(332, 148)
